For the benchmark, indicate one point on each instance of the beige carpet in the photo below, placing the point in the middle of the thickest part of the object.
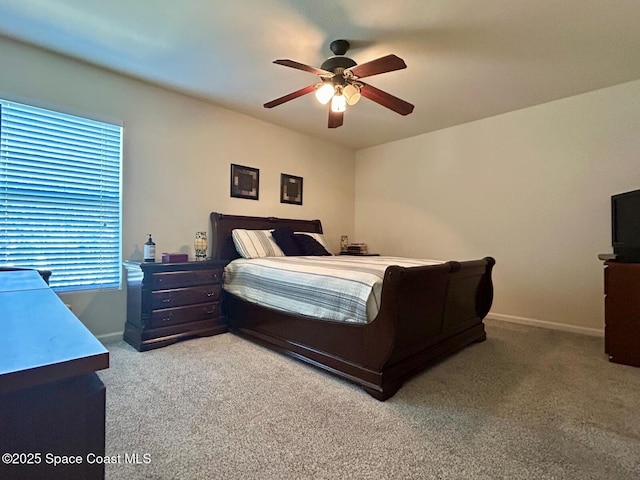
(528, 403)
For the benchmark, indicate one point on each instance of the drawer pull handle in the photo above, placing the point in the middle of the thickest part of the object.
(166, 319)
(166, 300)
(210, 294)
(209, 312)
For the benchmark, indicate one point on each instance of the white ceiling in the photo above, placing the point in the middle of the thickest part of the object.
(467, 59)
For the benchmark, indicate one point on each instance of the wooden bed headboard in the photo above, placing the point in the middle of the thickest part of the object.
(223, 248)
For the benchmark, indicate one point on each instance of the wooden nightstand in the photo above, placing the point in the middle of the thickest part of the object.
(167, 302)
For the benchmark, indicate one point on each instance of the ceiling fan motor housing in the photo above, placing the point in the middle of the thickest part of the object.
(339, 48)
(338, 61)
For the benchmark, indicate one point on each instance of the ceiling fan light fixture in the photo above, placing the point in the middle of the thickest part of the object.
(340, 82)
(324, 92)
(338, 103)
(351, 94)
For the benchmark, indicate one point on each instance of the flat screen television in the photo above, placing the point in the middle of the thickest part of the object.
(625, 226)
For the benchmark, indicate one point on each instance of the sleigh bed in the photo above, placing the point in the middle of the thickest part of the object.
(425, 313)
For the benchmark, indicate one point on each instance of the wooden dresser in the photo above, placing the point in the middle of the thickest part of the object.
(167, 302)
(622, 312)
(52, 403)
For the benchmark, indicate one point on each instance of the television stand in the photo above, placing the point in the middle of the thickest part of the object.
(622, 312)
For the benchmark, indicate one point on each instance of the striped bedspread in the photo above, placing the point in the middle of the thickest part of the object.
(341, 288)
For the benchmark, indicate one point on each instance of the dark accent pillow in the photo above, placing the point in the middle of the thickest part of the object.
(309, 245)
(287, 243)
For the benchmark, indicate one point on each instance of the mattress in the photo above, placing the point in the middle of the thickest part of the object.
(338, 288)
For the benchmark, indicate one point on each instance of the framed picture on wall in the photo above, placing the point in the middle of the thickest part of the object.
(245, 182)
(290, 189)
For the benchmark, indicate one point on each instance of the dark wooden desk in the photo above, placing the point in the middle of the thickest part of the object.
(51, 400)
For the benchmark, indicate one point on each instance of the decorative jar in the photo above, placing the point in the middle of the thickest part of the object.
(200, 245)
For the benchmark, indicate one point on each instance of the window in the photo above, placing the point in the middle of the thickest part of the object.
(60, 196)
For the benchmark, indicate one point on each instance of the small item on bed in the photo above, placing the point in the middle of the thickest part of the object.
(318, 237)
(309, 245)
(255, 243)
(287, 243)
(299, 243)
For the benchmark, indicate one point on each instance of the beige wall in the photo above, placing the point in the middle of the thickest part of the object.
(176, 161)
(530, 188)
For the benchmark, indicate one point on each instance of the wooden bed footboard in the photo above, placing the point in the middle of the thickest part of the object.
(433, 301)
(426, 313)
(434, 311)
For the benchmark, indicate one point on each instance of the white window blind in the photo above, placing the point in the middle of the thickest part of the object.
(60, 196)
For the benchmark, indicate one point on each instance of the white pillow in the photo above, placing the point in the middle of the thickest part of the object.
(255, 243)
(319, 237)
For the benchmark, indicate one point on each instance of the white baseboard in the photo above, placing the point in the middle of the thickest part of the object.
(595, 332)
(110, 337)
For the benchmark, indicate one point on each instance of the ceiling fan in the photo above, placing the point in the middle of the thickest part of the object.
(341, 85)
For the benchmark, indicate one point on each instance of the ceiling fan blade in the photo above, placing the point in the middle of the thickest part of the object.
(386, 99)
(335, 119)
(302, 66)
(380, 65)
(291, 96)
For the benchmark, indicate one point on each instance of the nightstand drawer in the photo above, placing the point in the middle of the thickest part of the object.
(191, 313)
(185, 296)
(168, 280)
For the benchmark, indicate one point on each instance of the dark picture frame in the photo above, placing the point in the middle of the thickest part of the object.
(290, 189)
(245, 182)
